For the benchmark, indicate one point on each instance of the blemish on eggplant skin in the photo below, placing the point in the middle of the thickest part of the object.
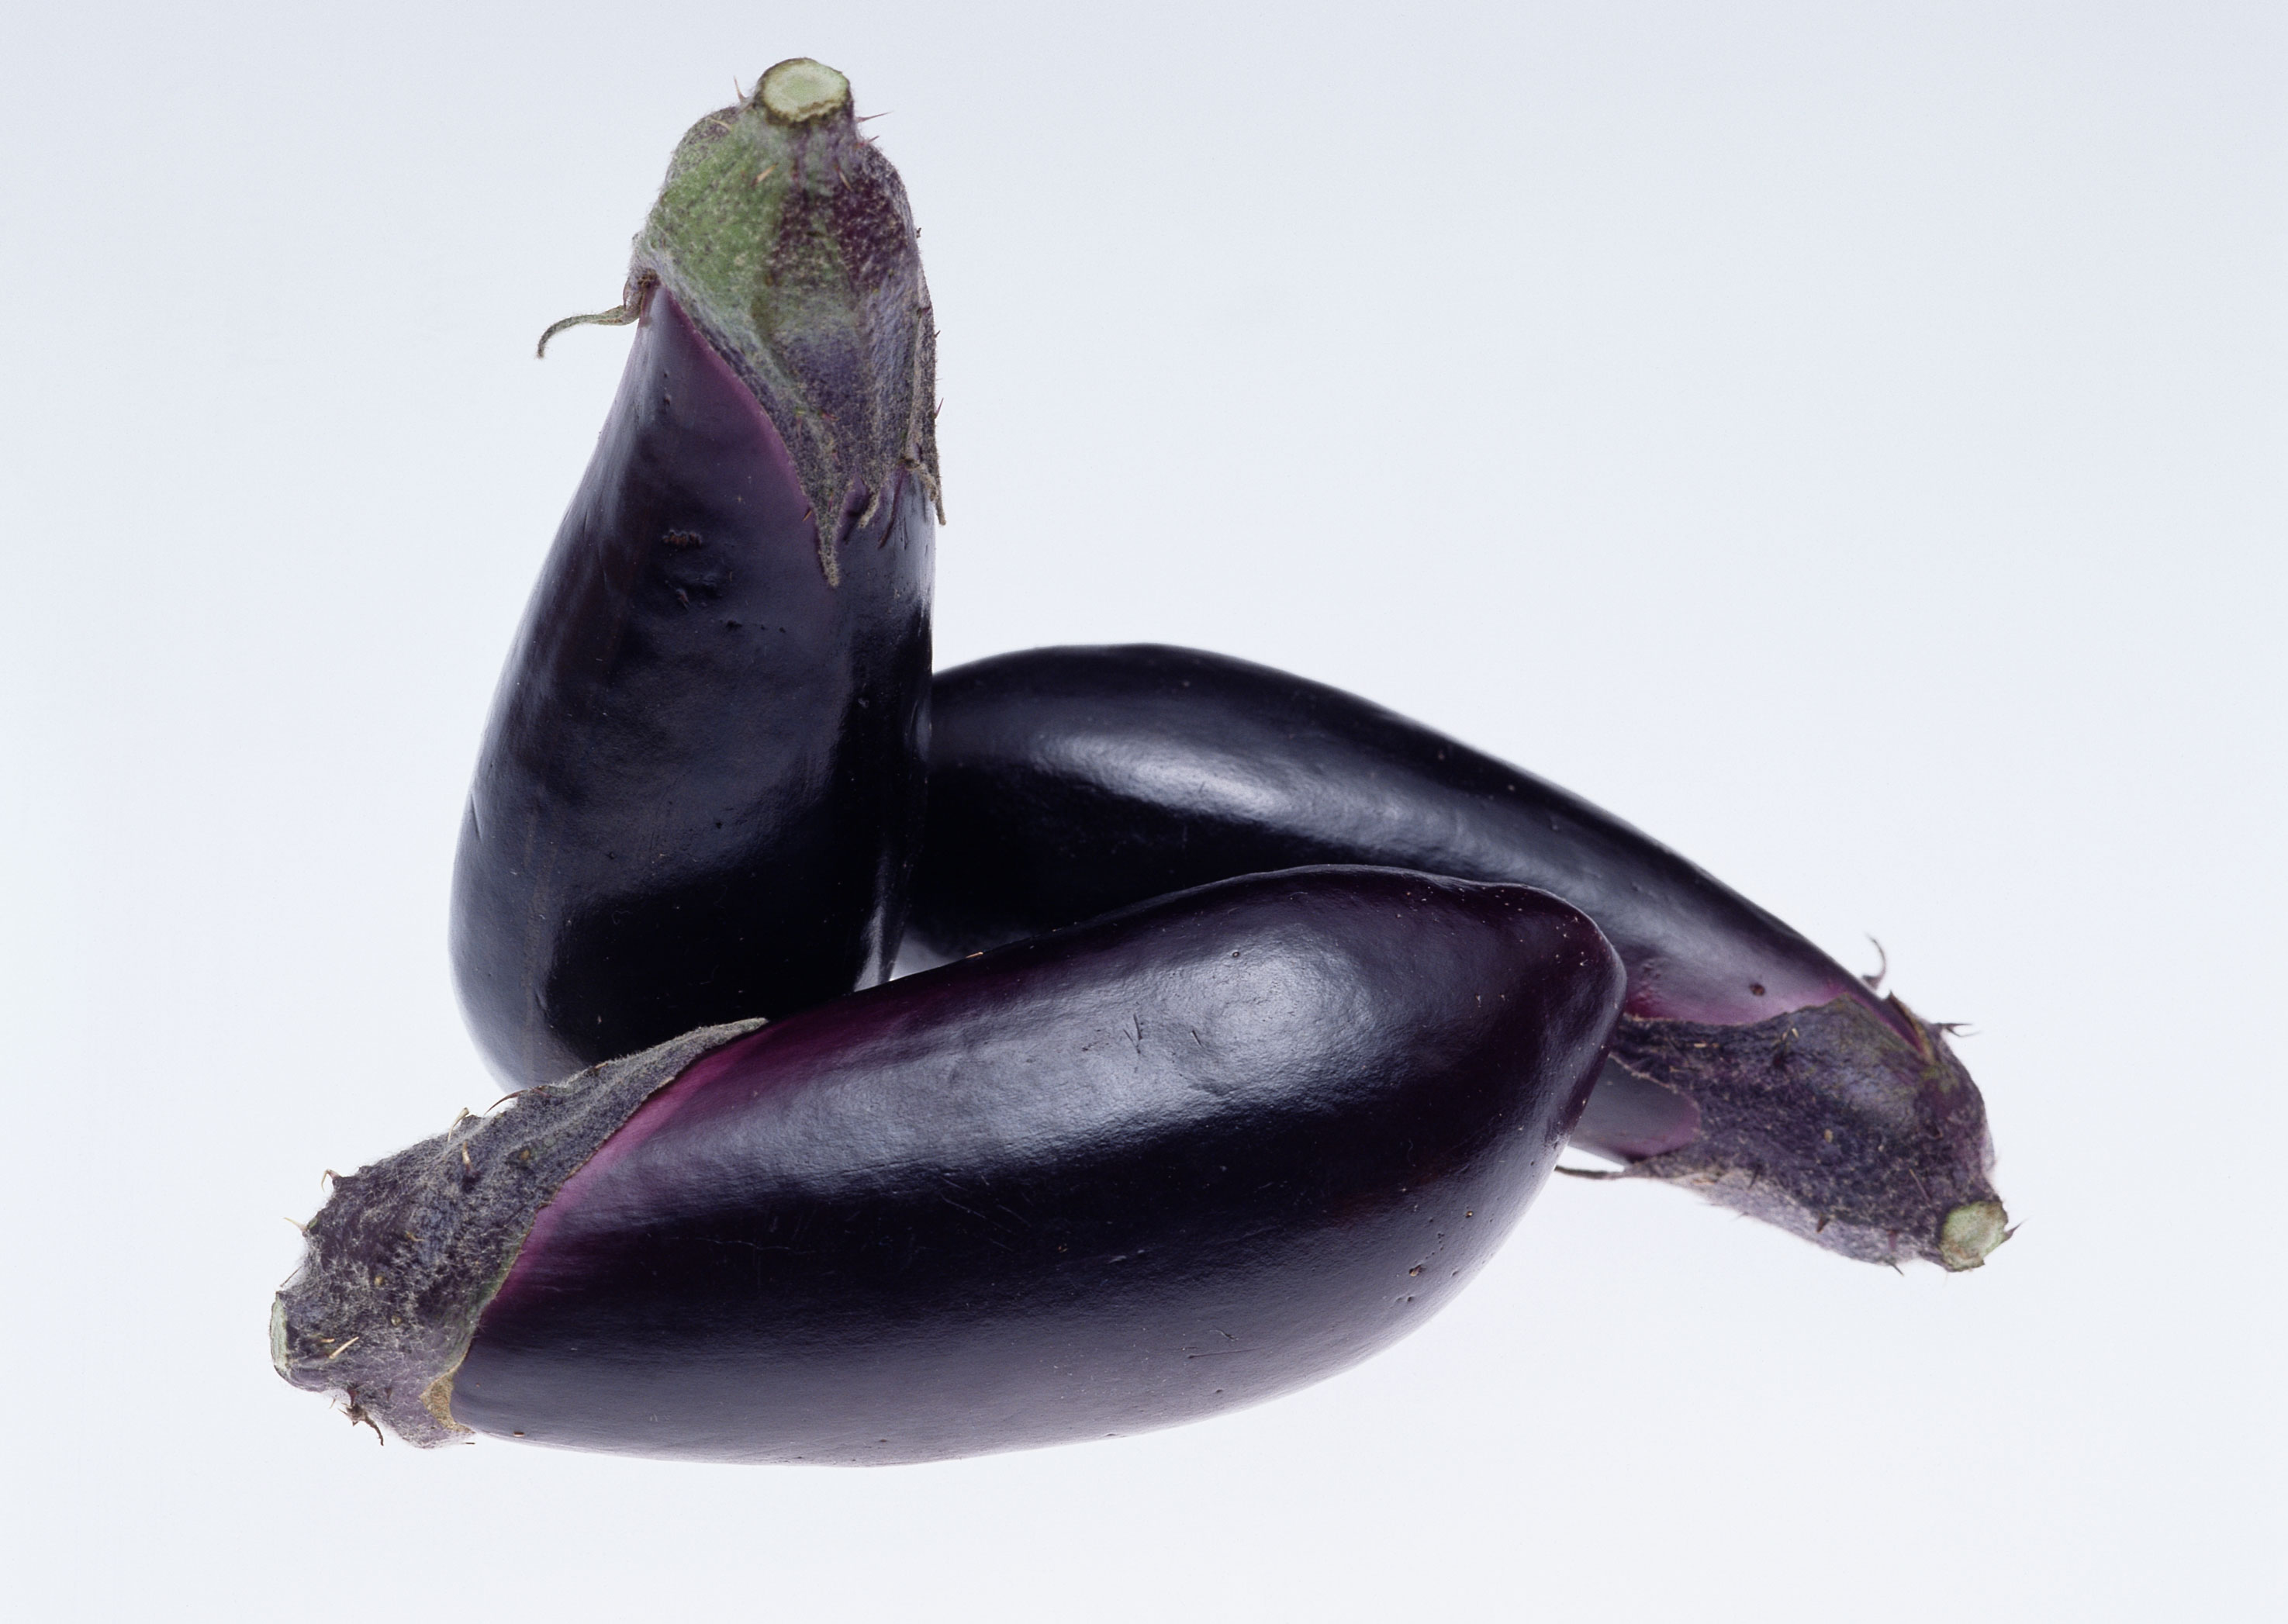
(1757, 988)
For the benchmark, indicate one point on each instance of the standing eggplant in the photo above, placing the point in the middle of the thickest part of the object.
(1159, 1166)
(1749, 1066)
(700, 788)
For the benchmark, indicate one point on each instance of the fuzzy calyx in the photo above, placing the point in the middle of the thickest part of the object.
(1826, 1123)
(407, 1252)
(787, 238)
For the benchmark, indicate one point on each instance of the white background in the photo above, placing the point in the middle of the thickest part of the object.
(1846, 440)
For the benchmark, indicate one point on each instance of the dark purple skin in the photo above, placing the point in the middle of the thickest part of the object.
(1142, 1172)
(1065, 782)
(700, 788)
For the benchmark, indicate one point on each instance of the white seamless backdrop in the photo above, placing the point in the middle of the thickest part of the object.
(1843, 441)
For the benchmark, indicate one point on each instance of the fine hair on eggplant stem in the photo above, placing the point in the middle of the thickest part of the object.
(630, 308)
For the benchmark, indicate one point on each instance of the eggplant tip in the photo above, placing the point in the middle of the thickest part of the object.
(1972, 1231)
(799, 89)
(281, 1360)
(404, 1256)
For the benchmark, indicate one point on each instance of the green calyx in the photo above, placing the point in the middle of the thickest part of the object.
(787, 239)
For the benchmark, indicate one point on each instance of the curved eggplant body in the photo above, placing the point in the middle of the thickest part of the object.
(1068, 781)
(699, 791)
(1137, 1173)
(1065, 782)
(700, 788)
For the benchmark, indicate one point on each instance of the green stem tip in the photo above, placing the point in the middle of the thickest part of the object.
(799, 89)
(1970, 1232)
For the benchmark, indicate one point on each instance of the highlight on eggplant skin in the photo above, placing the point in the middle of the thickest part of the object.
(1749, 1067)
(1137, 1173)
(701, 783)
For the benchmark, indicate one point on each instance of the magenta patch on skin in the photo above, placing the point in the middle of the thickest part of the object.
(1739, 1001)
(1723, 989)
(1631, 1118)
(718, 1080)
(728, 395)
(654, 1114)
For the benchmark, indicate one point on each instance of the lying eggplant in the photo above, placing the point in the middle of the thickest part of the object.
(1749, 1066)
(1158, 1167)
(700, 788)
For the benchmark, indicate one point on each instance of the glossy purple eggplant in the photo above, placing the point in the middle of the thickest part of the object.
(1749, 1066)
(1140, 1172)
(700, 788)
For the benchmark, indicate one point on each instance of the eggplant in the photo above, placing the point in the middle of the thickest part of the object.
(1749, 1067)
(1144, 1171)
(701, 784)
